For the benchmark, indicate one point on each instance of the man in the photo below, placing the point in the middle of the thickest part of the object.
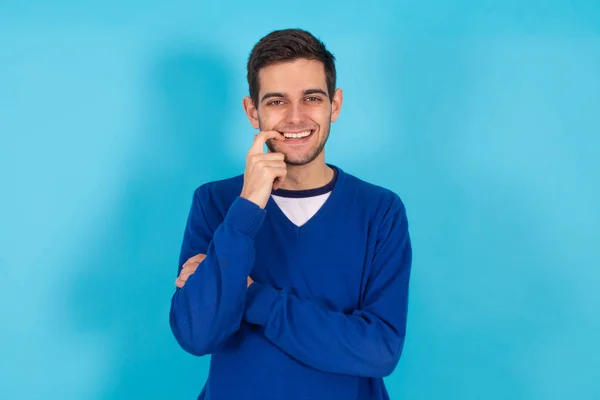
(293, 276)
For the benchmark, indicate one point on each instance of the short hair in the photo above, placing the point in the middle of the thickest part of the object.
(289, 45)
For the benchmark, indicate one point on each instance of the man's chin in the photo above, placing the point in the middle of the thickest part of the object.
(295, 158)
(296, 163)
(298, 160)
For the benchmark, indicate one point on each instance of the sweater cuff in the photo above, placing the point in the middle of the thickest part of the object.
(259, 301)
(245, 216)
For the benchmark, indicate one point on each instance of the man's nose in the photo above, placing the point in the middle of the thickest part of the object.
(295, 114)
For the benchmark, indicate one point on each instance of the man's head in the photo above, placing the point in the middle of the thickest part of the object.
(292, 78)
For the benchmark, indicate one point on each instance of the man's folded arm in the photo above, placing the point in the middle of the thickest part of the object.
(210, 306)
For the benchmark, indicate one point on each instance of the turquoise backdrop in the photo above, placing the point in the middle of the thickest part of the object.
(484, 116)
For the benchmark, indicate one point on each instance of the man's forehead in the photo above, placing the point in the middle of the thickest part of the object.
(293, 77)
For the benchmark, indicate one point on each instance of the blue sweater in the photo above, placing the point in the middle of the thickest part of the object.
(326, 315)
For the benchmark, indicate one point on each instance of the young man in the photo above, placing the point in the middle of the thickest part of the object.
(293, 276)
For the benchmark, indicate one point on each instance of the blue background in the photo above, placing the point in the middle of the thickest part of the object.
(484, 117)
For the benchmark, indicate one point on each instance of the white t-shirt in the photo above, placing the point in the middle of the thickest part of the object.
(300, 205)
(299, 210)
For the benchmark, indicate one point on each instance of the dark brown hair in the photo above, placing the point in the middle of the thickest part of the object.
(289, 45)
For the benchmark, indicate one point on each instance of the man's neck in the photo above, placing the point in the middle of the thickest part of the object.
(309, 176)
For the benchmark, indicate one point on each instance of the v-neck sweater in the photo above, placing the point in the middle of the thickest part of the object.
(326, 315)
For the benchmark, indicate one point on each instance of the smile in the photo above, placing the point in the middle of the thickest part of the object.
(297, 135)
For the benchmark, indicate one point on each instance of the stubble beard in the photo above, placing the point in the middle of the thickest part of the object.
(313, 153)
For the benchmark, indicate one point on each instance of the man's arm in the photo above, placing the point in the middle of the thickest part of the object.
(366, 342)
(209, 308)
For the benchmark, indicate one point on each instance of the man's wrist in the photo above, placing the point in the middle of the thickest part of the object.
(245, 216)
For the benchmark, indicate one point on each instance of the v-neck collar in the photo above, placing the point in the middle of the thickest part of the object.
(273, 208)
(299, 194)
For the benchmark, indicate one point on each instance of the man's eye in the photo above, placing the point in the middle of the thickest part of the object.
(313, 98)
(275, 102)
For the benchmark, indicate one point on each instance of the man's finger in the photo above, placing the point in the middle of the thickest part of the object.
(184, 277)
(198, 257)
(180, 281)
(194, 260)
(261, 139)
(190, 265)
(188, 269)
(186, 272)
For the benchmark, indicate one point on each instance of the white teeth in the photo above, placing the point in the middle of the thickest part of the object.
(296, 135)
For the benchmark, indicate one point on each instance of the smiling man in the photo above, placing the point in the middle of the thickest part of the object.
(294, 275)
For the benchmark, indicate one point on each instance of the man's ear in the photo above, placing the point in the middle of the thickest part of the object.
(251, 112)
(336, 104)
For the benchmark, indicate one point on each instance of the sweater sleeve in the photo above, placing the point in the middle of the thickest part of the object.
(209, 307)
(365, 342)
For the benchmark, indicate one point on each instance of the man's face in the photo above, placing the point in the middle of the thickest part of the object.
(293, 100)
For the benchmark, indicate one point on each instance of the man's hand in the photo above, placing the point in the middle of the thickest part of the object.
(264, 171)
(188, 269)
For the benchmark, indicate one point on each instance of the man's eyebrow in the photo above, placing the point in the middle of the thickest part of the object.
(314, 91)
(271, 94)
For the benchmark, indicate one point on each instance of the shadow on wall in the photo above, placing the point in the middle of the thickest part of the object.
(128, 271)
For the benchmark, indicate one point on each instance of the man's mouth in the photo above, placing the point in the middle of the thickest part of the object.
(297, 135)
